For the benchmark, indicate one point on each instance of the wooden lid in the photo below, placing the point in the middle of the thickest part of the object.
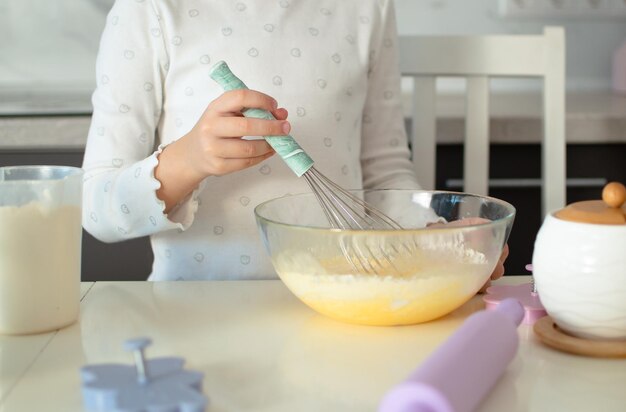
(611, 210)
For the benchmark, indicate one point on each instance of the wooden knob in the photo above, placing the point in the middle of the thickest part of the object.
(614, 194)
(607, 211)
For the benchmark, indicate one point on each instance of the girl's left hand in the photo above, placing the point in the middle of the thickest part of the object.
(498, 271)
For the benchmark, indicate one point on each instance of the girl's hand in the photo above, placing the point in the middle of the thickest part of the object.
(498, 271)
(214, 147)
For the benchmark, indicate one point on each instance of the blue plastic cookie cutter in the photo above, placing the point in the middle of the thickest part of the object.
(150, 385)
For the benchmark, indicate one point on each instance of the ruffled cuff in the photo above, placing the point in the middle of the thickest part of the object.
(184, 212)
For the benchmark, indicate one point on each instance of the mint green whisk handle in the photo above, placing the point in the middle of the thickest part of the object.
(291, 152)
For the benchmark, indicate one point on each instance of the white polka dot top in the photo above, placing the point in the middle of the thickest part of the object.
(331, 63)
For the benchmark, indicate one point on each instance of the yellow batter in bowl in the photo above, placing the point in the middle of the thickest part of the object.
(387, 277)
(426, 293)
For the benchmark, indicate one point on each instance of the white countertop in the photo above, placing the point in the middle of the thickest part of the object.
(592, 117)
(17, 354)
(261, 349)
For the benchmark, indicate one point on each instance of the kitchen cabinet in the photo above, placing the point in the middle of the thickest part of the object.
(131, 260)
(596, 136)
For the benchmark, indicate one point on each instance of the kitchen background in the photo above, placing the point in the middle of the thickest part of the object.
(48, 50)
(50, 45)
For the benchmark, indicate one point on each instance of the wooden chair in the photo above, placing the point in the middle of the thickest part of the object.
(479, 58)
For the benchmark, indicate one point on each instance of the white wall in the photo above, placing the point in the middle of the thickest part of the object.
(48, 45)
(590, 41)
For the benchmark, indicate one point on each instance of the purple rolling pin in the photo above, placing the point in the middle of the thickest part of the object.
(458, 375)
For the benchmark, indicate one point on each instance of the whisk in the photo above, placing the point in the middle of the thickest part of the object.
(343, 210)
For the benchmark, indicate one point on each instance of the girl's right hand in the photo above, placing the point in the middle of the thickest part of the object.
(215, 146)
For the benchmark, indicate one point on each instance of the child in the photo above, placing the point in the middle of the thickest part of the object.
(165, 157)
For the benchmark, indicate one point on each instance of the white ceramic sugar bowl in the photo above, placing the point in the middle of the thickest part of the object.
(579, 266)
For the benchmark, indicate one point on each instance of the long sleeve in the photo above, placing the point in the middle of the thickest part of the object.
(120, 188)
(153, 86)
(385, 155)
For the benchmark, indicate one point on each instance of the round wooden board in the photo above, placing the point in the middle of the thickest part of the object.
(553, 336)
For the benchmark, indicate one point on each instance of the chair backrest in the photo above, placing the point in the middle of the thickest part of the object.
(479, 58)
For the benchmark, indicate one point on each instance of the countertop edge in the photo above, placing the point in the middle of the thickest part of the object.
(592, 118)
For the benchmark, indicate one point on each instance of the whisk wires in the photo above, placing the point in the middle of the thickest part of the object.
(343, 209)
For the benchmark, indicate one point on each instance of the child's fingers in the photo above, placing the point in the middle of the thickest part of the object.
(244, 126)
(235, 101)
(485, 286)
(468, 221)
(280, 113)
(498, 272)
(234, 165)
(505, 253)
(242, 149)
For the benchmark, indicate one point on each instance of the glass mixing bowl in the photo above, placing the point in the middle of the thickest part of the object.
(387, 277)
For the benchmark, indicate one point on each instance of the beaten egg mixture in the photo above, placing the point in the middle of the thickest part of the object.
(419, 292)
